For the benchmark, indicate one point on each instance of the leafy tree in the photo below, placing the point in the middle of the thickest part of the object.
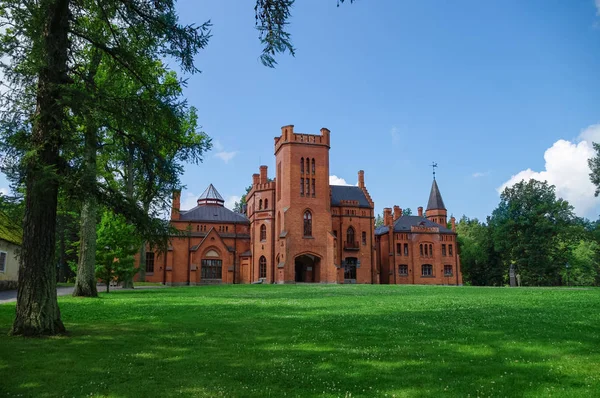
(480, 263)
(116, 245)
(238, 206)
(407, 212)
(530, 227)
(46, 43)
(378, 221)
(594, 164)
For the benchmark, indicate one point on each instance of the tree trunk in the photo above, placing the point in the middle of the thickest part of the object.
(85, 284)
(37, 311)
(128, 282)
(142, 266)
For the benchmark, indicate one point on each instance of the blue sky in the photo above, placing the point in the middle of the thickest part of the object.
(488, 90)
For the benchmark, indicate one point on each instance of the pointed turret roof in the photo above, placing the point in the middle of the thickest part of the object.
(211, 196)
(435, 198)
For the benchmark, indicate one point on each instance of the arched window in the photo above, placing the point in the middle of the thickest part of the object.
(262, 267)
(421, 249)
(313, 165)
(260, 204)
(302, 165)
(266, 204)
(307, 223)
(426, 270)
(426, 251)
(263, 233)
(430, 250)
(350, 236)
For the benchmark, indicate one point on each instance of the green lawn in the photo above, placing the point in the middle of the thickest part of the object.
(334, 341)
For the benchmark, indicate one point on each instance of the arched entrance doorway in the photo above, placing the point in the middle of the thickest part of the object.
(306, 269)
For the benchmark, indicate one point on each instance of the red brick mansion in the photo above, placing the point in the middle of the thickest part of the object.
(299, 228)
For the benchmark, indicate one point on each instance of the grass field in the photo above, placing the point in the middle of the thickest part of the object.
(334, 341)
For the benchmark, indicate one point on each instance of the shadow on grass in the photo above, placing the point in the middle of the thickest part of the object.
(307, 341)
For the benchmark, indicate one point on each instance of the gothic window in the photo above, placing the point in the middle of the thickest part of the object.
(426, 270)
(350, 236)
(149, 262)
(443, 249)
(430, 250)
(313, 165)
(447, 270)
(260, 204)
(450, 250)
(406, 249)
(313, 188)
(302, 165)
(364, 238)
(421, 249)
(307, 223)
(302, 187)
(263, 233)
(403, 269)
(399, 248)
(426, 250)
(262, 267)
(266, 204)
(308, 187)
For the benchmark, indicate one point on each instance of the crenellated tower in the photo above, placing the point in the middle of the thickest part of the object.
(304, 241)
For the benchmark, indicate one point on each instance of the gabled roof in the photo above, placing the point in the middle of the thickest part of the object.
(10, 230)
(348, 192)
(212, 213)
(404, 223)
(435, 198)
(211, 196)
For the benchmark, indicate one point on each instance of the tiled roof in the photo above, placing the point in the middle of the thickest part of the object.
(212, 213)
(348, 192)
(404, 223)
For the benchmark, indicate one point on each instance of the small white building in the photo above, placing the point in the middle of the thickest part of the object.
(11, 237)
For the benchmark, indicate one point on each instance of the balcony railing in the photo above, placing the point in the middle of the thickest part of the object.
(351, 245)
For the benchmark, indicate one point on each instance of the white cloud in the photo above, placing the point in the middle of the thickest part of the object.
(230, 201)
(335, 180)
(226, 156)
(3, 191)
(189, 201)
(481, 174)
(567, 168)
(221, 153)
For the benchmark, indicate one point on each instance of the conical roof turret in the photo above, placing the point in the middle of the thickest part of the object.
(435, 198)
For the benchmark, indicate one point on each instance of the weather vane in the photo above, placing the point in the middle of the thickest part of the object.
(434, 165)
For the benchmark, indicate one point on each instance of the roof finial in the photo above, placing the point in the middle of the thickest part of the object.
(434, 165)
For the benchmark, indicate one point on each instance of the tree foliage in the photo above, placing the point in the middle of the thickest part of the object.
(594, 164)
(116, 246)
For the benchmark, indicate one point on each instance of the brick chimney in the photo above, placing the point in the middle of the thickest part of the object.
(387, 217)
(176, 205)
(453, 222)
(397, 212)
(420, 210)
(263, 174)
(255, 179)
(361, 179)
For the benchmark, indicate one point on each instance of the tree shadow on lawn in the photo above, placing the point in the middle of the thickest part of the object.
(256, 347)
